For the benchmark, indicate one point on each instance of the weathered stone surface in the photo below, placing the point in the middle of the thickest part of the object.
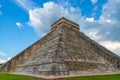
(63, 51)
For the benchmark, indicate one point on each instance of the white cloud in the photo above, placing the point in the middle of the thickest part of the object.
(72, 9)
(19, 24)
(94, 35)
(93, 1)
(4, 60)
(8, 58)
(109, 21)
(113, 46)
(90, 19)
(26, 4)
(107, 32)
(104, 20)
(111, 10)
(2, 54)
(42, 18)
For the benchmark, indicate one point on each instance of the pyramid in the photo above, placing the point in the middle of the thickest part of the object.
(63, 51)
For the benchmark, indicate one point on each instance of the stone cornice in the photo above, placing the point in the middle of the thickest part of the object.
(66, 22)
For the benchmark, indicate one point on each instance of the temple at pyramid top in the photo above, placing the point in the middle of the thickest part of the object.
(64, 21)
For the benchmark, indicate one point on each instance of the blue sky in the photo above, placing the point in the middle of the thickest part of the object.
(22, 22)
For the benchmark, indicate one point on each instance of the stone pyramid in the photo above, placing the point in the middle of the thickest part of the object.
(63, 51)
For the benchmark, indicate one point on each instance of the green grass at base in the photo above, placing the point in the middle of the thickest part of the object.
(0, 64)
(5, 76)
(100, 77)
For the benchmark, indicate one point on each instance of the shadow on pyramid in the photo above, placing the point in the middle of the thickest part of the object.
(63, 52)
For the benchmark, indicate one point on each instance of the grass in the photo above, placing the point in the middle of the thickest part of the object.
(100, 77)
(0, 64)
(5, 76)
